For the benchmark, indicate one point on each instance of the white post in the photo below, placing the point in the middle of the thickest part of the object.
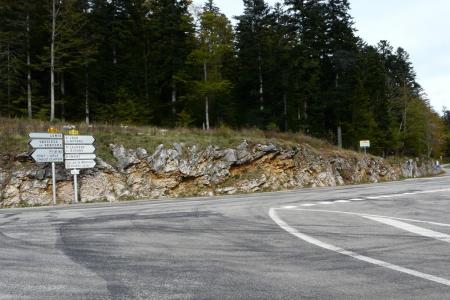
(54, 183)
(75, 186)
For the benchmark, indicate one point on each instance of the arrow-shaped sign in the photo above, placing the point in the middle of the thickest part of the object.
(79, 139)
(46, 143)
(80, 156)
(48, 155)
(80, 164)
(74, 149)
(44, 135)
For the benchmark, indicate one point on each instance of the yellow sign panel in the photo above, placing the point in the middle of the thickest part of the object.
(73, 132)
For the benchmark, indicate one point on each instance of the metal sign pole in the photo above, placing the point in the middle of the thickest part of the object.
(54, 183)
(75, 186)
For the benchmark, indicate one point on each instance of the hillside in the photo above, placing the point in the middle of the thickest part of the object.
(149, 162)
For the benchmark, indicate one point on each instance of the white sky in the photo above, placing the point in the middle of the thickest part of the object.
(419, 26)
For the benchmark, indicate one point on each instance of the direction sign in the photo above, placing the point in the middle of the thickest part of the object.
(74, 149)
(80, 164)
(45, 135)
(79, 139)
(364, 144)
(46, 143)
(48, 155)
(80, 156)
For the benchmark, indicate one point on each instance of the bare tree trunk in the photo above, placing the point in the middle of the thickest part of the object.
(29, 106)
(114, 50)
(52, 64)
(147, 93)
(285, 111)
(8, 80)
(86, 98)
(261, 84)
(205, 74)
(305, 110)
(174, 98)
(63, 95)
(339, 136)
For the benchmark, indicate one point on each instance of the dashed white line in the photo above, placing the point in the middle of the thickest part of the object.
(370, 215)
(412, 228)
(308, 204)
(316, 242)
(357, 199)
(342, 201)
(289, 206)
(326, 202)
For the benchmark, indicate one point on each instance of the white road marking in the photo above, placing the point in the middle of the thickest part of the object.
(316, 242)
(407, 193)
(326, 202)
(369, 215)
(342, 201)
(357, 199)
(412, 228)
(289, 206)
(308, 204)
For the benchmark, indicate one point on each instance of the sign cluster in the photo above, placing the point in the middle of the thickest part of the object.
(48, 147)
(76, 151)
(79, 151)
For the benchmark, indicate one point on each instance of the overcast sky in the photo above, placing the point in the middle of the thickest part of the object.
(419, 26)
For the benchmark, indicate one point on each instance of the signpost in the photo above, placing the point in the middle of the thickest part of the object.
(79, 139)
(49, 149)
(364, 144)
(80, 164)
(48, 155)
(77, 152)
(78, 149)
(44, 135)
(78, 155)
(47, 143)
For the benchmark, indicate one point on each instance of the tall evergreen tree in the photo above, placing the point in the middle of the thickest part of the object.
(174, 32)
(214, 42)
(251, 34)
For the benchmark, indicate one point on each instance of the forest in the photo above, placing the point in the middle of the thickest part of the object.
(296, 66)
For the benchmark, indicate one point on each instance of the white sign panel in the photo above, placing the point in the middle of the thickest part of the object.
(44, 135)
(80, 164)
(46, 143)
(79, 139)
(364, 144)
(74, 149)
(48, 155)
(80, 156)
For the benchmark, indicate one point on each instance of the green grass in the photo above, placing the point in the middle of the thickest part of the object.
(14, 136)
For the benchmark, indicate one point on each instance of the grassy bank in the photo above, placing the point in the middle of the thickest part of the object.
(14, 136)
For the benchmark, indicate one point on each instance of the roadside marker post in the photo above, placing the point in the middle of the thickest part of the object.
(75, 174)
(48, 149)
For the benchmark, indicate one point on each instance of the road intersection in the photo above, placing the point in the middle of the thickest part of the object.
(380, 241)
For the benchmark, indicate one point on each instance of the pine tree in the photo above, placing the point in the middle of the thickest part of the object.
(214, 42)
(251, 43)
(173, 31)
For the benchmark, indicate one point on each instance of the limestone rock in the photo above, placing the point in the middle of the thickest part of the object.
(125, 158)
(180, 170)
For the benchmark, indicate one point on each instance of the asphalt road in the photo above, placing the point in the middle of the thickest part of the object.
(381, 241)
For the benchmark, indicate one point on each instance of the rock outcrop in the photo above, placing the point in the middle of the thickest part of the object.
(189, 171)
